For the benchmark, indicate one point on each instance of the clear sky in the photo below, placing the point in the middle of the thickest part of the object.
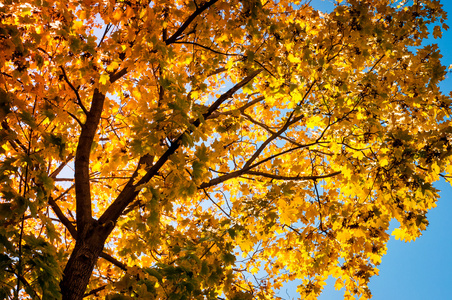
(420, 270)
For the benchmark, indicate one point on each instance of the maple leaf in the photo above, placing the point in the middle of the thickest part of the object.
(104, 78)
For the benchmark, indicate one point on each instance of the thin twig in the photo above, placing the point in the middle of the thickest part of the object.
(95, 291)
(207, 48)
(216, 204)
(105, 33)
(294, 178)
(79, 100)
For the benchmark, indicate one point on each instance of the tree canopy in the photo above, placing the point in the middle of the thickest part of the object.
(189, 149)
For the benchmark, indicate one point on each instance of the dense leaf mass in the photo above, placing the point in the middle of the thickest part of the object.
(188, 149)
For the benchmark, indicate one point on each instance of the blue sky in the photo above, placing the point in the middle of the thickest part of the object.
(422, 269)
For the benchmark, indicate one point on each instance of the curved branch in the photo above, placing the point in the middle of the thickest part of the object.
(244, 170)
(79, 100)
(75, 118)
(216, 204)
(131, 190)
(190, 19)
(271, 138)
(63, 219)
(207, 48)
(295, 178)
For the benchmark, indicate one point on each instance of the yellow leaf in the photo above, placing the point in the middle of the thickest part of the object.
(78, 25)
(343, 235)
(402, 235)
(104, 78)
(435, 168)
(313, 122)
(384, 162)
(339, 284)
(117, 15)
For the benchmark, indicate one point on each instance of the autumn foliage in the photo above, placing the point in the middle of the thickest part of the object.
(189, 149)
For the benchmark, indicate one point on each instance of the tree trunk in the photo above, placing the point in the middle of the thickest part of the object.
(83, 258)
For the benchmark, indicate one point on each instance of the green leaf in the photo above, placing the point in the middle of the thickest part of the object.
(201, 153)
(28, 119)
(198, 169)
(229, 258)
(155, 273)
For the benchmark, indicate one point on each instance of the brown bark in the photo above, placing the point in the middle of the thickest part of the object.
(90, 235)
(79, 268)
(82, 185)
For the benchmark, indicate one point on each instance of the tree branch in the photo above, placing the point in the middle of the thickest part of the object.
(244, 107)
(79, 100)
(206, 48)
(264, 126)
(251, 103)
(15, 141)
(271, 138)
(217, 71)
(63, 219)
(242, 171)
(64, 193)
(75, 118)
(115, 76)
(131, 190)
(295, 178)
(25, 282)
(221, 179)
(227, 95)
(216, 204)
(66, 222)
(57, 171)
(281, 153)
(81, 174)
(95, 291)
(103, 35)
(190, 19)
(114, 261)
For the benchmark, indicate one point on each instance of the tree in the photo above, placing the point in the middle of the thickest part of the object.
(214, 149)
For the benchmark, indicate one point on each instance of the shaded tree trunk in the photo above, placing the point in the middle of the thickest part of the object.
(79, 268)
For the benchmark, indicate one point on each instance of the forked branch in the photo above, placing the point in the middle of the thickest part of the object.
(131, 190)
(190, 19)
